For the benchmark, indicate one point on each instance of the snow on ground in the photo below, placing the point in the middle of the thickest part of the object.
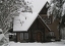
(36, 44)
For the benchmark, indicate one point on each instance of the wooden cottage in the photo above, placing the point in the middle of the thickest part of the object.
(41, 30)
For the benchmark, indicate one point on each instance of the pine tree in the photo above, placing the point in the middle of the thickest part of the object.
(8, 10)
(57, 9)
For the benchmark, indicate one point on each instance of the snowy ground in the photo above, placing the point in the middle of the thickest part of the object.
(37, 44)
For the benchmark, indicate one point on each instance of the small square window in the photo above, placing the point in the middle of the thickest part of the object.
(24, 36)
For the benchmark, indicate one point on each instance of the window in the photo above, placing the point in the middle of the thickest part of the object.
(63, 33)
(24, 36)
(21, 36)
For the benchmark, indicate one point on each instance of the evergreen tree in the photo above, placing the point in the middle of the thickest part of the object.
(8, 10)
(57, 9)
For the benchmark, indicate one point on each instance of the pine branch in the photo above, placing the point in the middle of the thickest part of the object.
(8, 8)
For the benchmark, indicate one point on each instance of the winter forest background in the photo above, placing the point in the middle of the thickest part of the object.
(10, 8)
(57, 9)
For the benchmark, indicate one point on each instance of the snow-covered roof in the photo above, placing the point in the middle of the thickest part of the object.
(25, 20)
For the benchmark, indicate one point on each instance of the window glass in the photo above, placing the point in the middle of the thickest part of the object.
(21, 36)
(26, 36)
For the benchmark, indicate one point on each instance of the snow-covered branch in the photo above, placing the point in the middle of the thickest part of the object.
(8, 9)
(57, 10)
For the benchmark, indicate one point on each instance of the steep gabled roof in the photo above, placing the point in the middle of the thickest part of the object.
(37, 7)
(44, 9)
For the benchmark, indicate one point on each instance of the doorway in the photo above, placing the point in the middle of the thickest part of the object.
(38, 37)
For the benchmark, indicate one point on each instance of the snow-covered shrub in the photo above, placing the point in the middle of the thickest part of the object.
(8, 10)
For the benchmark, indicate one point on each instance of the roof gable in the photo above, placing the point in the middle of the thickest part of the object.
(44, 9)
(22, 24)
